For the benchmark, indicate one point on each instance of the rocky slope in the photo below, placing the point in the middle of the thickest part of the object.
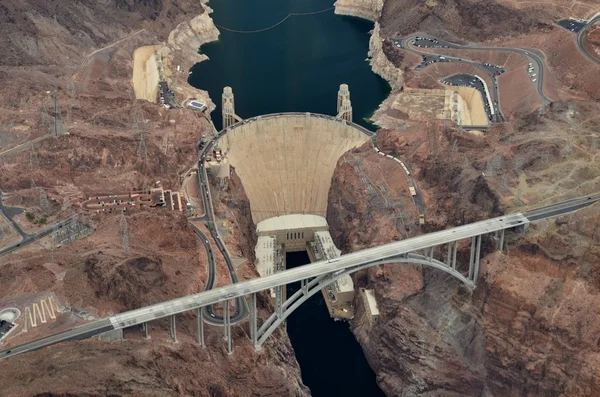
(367, 9)
(530, 328)
(114, 144)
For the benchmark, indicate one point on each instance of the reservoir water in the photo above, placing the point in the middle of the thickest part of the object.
(298, 66)
(331, 360)
(295, 67)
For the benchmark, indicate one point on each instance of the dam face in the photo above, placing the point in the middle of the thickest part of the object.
(286, 161)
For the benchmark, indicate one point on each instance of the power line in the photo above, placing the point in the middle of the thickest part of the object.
(278, 23)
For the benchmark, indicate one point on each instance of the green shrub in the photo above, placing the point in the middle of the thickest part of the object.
(30, 217)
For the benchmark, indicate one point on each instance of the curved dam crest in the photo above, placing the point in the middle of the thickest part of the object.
(286, 162)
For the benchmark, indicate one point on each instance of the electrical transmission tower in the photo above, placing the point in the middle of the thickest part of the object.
(34, 161)
(44, 204)
(44, 116)
(59, 127)
(124, 234)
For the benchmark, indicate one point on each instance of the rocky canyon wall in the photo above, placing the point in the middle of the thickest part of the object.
(530, 328)
(84, 51)
(367, 9)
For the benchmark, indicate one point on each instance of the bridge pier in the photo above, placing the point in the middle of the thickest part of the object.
(146, 330)
(472, 257)
(279, 300)
(477, 254)
(173, 328)
(200, 326)
(253, 320)
(501, 243)
(304, 284)
(227, 327)
(451, 256)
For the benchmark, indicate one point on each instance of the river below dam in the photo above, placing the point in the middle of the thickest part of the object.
(331, 360)
(297, 66)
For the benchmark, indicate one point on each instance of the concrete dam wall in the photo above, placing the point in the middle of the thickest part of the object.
(286, 161)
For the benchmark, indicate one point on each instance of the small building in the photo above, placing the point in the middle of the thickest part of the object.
(344, 289)
(194, 104)
(370, 304)
(158, 197)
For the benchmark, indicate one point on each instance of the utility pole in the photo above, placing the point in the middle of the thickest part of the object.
(124, 234)
(34, 161)
(55, 107)
(44, 205)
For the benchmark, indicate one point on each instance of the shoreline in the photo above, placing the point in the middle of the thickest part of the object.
(174, 58)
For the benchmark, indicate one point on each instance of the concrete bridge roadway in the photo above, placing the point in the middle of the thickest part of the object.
(315, 276)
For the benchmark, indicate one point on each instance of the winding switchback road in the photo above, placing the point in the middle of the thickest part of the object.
(579, 39)
(533, 57)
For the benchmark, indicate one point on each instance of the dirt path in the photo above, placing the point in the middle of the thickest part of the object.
(91, 54)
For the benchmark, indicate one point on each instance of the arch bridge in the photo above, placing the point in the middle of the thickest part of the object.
(437, 250)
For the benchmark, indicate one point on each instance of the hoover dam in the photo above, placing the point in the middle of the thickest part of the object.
(286, 161)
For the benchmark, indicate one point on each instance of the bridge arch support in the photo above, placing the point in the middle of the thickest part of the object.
(310, 287)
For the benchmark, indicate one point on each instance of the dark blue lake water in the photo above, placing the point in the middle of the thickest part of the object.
(296, 66)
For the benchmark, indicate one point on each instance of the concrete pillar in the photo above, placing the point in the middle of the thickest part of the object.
(477, 254)
(279, 300)
(472, 257)
(501, 243)
(200, 326)
(225, 318)
(253, 319)
(455, 245)
(146, 329)
(228, 327)
(173, 327)
(304, 284)
(228, 107)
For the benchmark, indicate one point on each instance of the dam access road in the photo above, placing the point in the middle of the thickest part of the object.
(420, 40)
(580, 36)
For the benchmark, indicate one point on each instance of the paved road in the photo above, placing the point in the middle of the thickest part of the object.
(359, 259)
(533, 57)
(212, 278)
(241, 308)
(27, 238)
(579, 38)
(34, 237)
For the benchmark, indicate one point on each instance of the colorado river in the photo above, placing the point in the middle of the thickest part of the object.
(295, 67)
(330, 358)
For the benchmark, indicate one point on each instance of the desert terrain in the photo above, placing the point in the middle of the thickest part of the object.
(530, 327)
(88, 71)
(112, 139)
